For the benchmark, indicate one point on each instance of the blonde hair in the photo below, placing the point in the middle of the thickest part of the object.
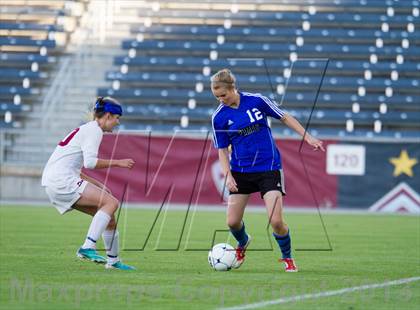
(223, 79)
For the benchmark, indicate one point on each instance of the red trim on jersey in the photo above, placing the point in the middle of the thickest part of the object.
(69, 137)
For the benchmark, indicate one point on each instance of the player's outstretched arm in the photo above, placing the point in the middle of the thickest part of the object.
(120, 163)
(293, 123)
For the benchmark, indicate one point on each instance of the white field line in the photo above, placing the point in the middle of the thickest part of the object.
(321, 294)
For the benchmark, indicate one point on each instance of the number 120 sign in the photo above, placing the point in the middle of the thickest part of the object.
(346, 159)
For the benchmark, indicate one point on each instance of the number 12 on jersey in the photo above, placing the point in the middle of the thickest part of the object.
(257, 114)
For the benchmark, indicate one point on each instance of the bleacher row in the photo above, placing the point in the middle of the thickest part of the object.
(32, 38)
(278, 48)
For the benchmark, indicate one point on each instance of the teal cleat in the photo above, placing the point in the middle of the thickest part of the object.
(91, 255)
(119, 265)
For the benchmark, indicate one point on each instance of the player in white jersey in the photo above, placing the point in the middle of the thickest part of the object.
(68, 188)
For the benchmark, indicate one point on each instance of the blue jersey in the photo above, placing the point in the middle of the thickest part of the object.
(246, 129)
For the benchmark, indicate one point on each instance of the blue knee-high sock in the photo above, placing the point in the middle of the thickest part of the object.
(240, 235)
(284, 244)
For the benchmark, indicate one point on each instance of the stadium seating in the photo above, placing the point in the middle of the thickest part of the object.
(32, 36)
(279, 49)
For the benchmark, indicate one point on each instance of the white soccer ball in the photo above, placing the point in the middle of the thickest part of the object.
(222, 257)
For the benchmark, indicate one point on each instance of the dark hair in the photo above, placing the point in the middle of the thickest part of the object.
(105, 105)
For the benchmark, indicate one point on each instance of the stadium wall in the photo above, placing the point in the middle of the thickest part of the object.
(361, 175)
(380, 176)
(21, 183)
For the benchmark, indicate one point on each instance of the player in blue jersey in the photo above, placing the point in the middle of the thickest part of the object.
(240, 121)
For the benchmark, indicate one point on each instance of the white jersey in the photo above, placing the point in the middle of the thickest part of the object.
(79, 149)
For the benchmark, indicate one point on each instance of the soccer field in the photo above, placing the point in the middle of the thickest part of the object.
(39, 269)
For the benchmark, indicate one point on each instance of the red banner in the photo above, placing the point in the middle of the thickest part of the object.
(186, 170)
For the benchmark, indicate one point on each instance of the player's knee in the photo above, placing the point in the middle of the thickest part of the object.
(114, 203)
(234, 223)
(109, 205)
(278, 224)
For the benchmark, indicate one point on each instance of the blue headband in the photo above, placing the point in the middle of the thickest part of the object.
(105, 105)
(112, 108)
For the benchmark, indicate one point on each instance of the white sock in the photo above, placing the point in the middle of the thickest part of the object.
(99, 223)
(111, 245)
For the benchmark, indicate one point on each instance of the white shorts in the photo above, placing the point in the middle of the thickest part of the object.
(64, 200)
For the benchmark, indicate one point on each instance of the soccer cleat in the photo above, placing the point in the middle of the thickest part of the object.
(289, 264)
(91, 255)
(119, 265)
(240, 253)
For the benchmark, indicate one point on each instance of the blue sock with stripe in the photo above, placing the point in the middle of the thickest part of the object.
(284, 243)
(240, 235)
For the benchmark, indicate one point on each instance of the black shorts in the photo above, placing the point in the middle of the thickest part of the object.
(263, 182)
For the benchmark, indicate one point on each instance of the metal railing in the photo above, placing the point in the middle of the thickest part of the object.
(56, 91)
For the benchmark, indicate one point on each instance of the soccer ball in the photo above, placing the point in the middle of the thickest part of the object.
(222, 257)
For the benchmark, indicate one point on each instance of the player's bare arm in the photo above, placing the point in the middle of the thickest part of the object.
(224, 161)
(292, 123)
(120, 163)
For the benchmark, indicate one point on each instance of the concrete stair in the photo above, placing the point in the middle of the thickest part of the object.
(88, 60)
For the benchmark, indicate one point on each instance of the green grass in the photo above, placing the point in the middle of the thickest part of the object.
(39, 270)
